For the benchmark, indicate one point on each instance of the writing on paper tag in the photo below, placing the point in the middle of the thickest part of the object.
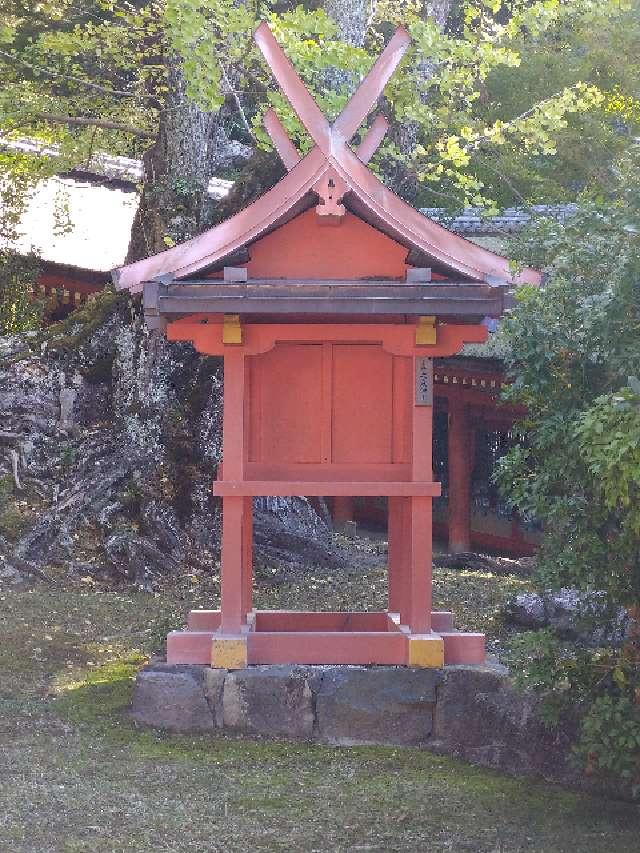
(424, 381)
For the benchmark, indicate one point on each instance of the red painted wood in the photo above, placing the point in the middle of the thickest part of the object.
(328, 472)
(205, 332)
(305, 246)
(296, 620)
(233, 452)
(327, 409)
(459, 441)
(441, 620)
(515, 546)
(204, 620)
(189, 647)
(286, 421)
(402, 406)
(421, 436)
(224, 488)
(463, 648)
(333, 646)
(247, 557)
(327, 648)
(362, 424)
(419, 539)
(231, 582)
(397, 558)
(293, 620)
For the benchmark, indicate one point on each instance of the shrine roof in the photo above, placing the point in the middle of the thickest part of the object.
(334, 178)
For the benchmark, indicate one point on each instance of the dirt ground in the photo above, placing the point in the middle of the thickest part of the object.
(76, 775)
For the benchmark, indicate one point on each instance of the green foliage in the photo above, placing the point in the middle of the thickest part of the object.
(493, 101)
(439, 91)
(601, 683)
(19, 310)
(574, 355)
(602, 53)
(611, 738)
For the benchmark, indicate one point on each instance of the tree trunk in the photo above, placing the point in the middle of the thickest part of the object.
(352, 18)
(400, 178)
(175, 204)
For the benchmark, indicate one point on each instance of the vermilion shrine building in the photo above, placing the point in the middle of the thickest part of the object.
(328, 298)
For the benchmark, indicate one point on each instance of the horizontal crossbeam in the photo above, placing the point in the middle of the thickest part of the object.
(322, 488)
(321, 297)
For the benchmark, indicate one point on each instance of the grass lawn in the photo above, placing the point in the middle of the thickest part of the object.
(76, 775)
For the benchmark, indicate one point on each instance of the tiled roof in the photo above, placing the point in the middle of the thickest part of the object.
(472, 221)
(103, 165)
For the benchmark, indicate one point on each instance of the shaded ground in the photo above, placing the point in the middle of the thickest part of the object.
(75, 775)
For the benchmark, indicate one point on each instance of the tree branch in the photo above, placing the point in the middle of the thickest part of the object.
(236, 100)
(114, 93)
(79, 121)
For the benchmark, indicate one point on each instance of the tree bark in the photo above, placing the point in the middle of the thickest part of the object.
(352, 18)
(400, 178)
(175, 204)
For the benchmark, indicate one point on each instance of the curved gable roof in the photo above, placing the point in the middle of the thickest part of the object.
(332, 158)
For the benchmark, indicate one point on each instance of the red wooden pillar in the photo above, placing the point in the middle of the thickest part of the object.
(342, 509)
(460, 470)
(231, 598)
(419, 528)
(247, 558)
(235, 525)
(398, 571)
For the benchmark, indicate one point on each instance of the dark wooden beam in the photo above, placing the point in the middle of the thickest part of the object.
(321, 297)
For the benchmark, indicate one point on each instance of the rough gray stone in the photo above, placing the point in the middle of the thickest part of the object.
(172, 698)
(269, 700)
(391, 705)
(213, 685)
(527, 610)
(570, 613)
(481, 717)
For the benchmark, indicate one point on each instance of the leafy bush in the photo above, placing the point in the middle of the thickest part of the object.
(20, 311)
(574, 359)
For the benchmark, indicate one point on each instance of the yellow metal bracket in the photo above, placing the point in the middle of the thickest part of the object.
(231, 329)
(426, 650)
(229, 653)
(426, 331)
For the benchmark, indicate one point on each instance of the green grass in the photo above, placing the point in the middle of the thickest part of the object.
(76, 775)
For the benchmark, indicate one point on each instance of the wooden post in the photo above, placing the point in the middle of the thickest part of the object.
(398, 575)
(342, 510)
(231, 597)
(419, 605)
(460, 469)
(418, 532)
(234, 525)
(247, 557)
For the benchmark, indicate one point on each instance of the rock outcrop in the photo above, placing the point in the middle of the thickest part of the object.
(110, 437)
(571, 614)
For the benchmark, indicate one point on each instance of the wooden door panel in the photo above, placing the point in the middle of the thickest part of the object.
(362, 404)
(286, 413)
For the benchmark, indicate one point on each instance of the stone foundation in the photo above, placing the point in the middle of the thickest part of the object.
(330, 704)
(471, 712)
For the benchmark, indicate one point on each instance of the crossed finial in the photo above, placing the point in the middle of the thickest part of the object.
(329, 138)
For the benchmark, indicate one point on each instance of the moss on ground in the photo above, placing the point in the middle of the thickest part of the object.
(77, 775)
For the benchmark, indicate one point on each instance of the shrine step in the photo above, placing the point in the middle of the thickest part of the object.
(330, 647)
(295, 620)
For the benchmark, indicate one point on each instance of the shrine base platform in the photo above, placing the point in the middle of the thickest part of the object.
(471, 712)
(293, 637)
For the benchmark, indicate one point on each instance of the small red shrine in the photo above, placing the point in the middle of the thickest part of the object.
(328, 298)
